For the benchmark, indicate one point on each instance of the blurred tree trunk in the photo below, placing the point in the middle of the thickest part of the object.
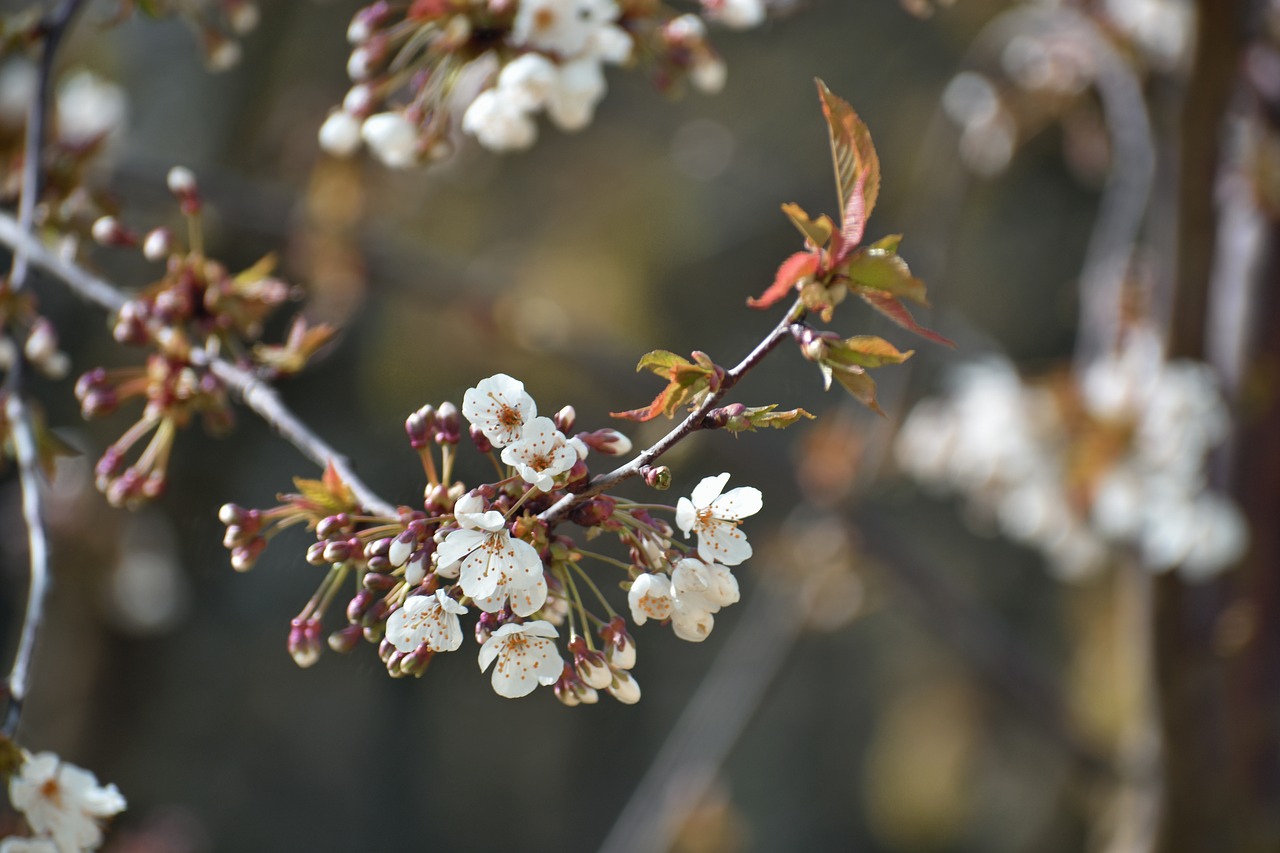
(1218, 645)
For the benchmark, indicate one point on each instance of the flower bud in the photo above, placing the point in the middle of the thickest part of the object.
(448, 424)
(625, 688)
(243, 16)
(415, 663)
(333, 525)
(359, 606)
(420, 426)
(480, 440)
(607, 441)
(620, 649)
(359, 101)
(656, 477)
(337, 551)
(344, 640)
(315, 553)
(304, 641)
(244, 556)
(366, 21)
(596, 511)
(107, 231)
(565, 419)
(182, 182)
(340, 134)
(593, 670)
(415, 571)
(377, 582)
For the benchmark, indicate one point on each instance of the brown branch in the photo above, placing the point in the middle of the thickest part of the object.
(693, 422)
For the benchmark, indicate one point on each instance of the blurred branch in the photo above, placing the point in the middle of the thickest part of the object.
(693, 422)
(51, 29)
(21, 431)
(258, 395)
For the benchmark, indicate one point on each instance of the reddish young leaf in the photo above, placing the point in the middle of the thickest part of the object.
(792, 270)
(890, 307)
(866, 351)
(885, 272)
(816, 231)
(856, 163)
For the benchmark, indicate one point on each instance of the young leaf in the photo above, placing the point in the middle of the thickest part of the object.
(759, 417)
(793, 269)
(885, 271)
(890, 307)
(685, 382)
(861, 386)
(865, 351)
(856, 163)
(660, 361)
(816, 231)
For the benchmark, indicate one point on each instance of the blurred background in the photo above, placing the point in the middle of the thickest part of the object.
(853, 713)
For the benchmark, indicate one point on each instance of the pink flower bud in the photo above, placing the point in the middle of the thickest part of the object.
(304, 641)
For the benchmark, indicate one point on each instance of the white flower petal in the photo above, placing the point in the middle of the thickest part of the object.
(686, 516)
(738, 503)
(708, 490)
(723, 543)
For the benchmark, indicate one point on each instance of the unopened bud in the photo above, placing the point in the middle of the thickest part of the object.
(480, 440)
(448, 424)
(625, 688)
(596, 511)
(401, 547)
(182, 182)
(377, 582)
(304, 641)
(359, 605)
(337, 551)
(243, 17)
(565, 419)
(607, 441)
(345, 639)
(244, 556)
(107, 231)
(315, 553)
(420, 426)
(158, 244)
(415, 663)
(657, 477)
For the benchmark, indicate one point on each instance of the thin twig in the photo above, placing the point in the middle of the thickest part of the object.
(24, 445)
(693, 422)
(52, 28)
(257, 394)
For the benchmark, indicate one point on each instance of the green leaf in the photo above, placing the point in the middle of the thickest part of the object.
(856, 163)
(686, 383)
(660, 361)
(816, 231)
(865, 351)
(885, 271)
(861, 386)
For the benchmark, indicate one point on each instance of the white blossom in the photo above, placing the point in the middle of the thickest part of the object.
(499, 408)
(430, 619)
(15, 844)
(715, 517)
(527, 80)
(17, 90)
(63, 802)
(709, 74)
(737, 14)
(499, 121)
(526, 656)
(495, 567)
(581, 86)
(713, 583)
(340, 134)
(650, 598)
(624, 687)
(541, 454)
(392, 138)
(562, 27)
(691, 618)
(88, 108)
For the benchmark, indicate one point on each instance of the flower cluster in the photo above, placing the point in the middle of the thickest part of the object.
(63, 805)
(489, 551)
(198, 307)
(1115, 462)
(497, 64)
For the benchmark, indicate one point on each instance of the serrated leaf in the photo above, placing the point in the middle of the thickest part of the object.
(890, 307)
(885, 271)
(861, 386)
(660, 361)
(816, 231)
(865, 351)
(793, 269)
(856, 163)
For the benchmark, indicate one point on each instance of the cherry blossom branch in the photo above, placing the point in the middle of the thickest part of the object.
(257, 394)
(694, 421)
